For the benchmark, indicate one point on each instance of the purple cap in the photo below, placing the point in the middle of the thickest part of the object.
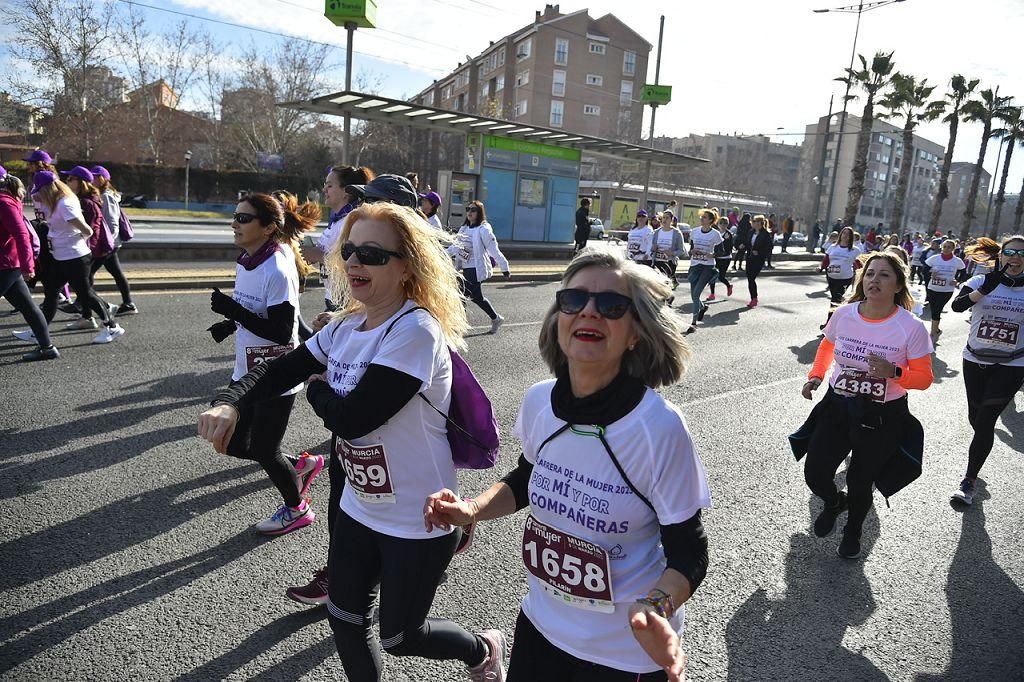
(3, 171)
(41, 180)
(80, 172)
(38, 155)
(641, 212)
(432, 197)
(100, 171)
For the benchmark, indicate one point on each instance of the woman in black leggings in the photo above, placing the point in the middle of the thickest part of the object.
(723, 256)
(758, 245)
(743, 230)
(111, 200)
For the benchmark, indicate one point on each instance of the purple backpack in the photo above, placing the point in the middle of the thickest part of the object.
(472, 429)
(124, 228)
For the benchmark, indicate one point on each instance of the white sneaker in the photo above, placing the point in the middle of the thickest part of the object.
(82, 323)
(108, 334)
(965, 493)
(25, 335)
(496, 323)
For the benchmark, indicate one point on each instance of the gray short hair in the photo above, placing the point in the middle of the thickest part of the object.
(11, 184)
(661, 356)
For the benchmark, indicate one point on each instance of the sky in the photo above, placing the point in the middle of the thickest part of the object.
(736, 66)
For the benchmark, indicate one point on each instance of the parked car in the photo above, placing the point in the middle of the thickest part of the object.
(596, 228)
(796, 239)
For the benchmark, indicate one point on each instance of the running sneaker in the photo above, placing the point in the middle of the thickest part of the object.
(24, 335)
(691, 329)
(496, 323)
(849, 548)
(50, 353)
(965, 494)
(308, 467)
(82, 323)
(753, 303)
(703, 311)
(69, 308)
(728, 290)
(127, 309)
(493, 667)
(711, 297)
(287, 519)
(108, 334)
(314, 593)
(826, 520)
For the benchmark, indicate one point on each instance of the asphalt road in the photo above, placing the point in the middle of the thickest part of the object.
(127, 551)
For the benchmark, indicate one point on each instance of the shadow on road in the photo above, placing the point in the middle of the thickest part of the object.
(187, 385)
(805, 353)
(941, 369)
(1013, 432)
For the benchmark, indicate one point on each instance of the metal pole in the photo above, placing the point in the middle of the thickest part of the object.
(842, 120)
(821, 168)
(991, 229)
(654, 113)
(350, 29)
(187, 164)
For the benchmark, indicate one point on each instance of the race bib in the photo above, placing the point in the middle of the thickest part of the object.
(938, 281)
(999, 332)
(663, 255)
(833, 270)
(854, 382)
(633, 249)
(572, 570)
(257, 355)
(366, 468)
(698, 255)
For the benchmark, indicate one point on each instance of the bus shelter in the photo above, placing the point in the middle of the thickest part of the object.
(527, 176)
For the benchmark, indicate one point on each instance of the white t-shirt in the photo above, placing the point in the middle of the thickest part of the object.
(704, 243)
(663, 245)
(435, 222)
(899, 338)
(638, 242)
(66, 242)
(943, 272)
(997, 323)
(919, 251)
(463, 248)
(330, 235)
(575, 490)
(272, 282)
(393, 469)
(840, 262)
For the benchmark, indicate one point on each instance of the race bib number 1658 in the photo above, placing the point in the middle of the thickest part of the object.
(570, 569)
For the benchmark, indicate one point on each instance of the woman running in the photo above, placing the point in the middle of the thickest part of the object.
(880, 351)
(367, 371)
(640, 239)
(702, 263)
(917, 256)
(101, 242)
(111, 199)
(17, 265)
(839, 271)
(429, 204)
(67, 236)
(476, 253)
(757, 246)
(723, 256)
(994, 355)
(942, 270)
(667, 247)
(264, 316)
(613, 544)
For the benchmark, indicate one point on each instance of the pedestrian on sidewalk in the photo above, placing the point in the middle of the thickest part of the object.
(111, 200)
(772, 228)
(788, 225)
(758, 246)
(582, 233)
(477, 253)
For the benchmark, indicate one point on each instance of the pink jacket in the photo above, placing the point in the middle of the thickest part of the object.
(15, 242)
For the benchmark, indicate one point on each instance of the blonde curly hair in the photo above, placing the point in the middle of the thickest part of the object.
(433, 281)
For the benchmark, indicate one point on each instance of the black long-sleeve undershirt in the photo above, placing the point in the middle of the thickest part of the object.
(963, 301)
(380, 394)
(276, 327)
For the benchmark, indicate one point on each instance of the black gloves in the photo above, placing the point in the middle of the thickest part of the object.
(222, 304)
(221, 330)
(992, 280)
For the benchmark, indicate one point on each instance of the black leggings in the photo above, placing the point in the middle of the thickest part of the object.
(721, 264)
(937, 300)
(76, 273)
(471, 286)
(113, 266)
(840, 431)
(14, 289)
(258, 437)
(363, 562)
(738, 259)
(754, 267)
(535, 658)
(837, 289)
(990, 388)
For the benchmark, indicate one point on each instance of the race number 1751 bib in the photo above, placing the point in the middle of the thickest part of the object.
(367, 472)
(999, 331)
(570, 569)
(854, 382)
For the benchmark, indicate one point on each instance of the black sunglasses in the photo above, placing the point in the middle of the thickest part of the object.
(368, 255)
(610, 304)
(244, 218)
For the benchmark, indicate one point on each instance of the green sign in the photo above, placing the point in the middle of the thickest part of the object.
(656, 94)
(535, 148)
(362, 12)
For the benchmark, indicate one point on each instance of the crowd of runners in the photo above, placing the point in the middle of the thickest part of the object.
(380, 367)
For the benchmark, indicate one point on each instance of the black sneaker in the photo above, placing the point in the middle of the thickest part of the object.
(826, 520)
(69, 308)
(703, 312)
(849, 548)
(50, 353)
(127, 309)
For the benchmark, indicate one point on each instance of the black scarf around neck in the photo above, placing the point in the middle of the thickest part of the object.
(610, 404)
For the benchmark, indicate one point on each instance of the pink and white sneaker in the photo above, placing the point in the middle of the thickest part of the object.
(287, 519)
(493, 667)
(308, 467)
(314, 593)
(712, 297)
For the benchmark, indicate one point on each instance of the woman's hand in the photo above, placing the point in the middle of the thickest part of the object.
(312, 254)
(879, 367)
(217, 425)
(810, 387)
(321, 321)
(445, 510)
(658, 640)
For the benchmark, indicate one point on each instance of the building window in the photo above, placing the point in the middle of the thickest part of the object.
(626, 94)
(428, 99)
(520, 109)
(557, 112)
(594, 79)
(523, 49)
(446, 91)
(499, 83)
(628, 63)
(501, 57)
(522, 78)
(485, 90)
(561, 51)
(591, 110)
(558, 83)
(462, 79)
(597, 48)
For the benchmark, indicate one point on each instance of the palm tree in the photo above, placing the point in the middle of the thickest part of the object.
(1018, 212)
(908, 99)
(872, 80)
(1013, 133)
(987, 110)
(959, 90)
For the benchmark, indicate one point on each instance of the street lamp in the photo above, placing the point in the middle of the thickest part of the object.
(188, 159)
(859, 9)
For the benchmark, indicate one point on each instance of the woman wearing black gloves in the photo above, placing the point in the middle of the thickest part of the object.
(264, 316)
(613, 543)
(994, 355)
(389, 343)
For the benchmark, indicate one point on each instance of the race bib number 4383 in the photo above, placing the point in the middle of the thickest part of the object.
(858, 382)
(367, 472)
(570, 569)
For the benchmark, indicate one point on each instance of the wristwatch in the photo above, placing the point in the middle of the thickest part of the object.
(897, 372)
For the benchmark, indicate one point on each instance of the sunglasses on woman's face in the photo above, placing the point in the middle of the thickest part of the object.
(1014, 252)
(367, 255)
(471, 210)
(244, 218)
(609, 304)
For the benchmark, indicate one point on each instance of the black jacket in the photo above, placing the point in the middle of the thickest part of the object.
(582, 221)
(761, 242)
